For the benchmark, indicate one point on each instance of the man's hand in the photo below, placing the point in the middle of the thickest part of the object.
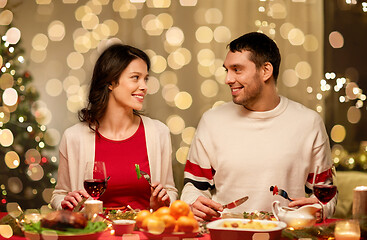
(299, 202)
(204, 209)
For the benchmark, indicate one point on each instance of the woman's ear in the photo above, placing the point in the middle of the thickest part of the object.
(110, 87)
(267, 71)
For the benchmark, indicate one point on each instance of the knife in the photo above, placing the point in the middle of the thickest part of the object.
(235, 203)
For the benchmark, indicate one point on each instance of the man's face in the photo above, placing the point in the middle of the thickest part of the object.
(243, 78)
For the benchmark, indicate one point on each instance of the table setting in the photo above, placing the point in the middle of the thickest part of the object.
(90, 221)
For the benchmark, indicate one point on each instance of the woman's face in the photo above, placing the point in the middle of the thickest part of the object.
(132, 86)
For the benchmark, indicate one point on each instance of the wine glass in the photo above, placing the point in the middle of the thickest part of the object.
(95, 182)
(323, 191)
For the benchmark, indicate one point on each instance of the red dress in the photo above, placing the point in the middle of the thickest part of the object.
(120, 157)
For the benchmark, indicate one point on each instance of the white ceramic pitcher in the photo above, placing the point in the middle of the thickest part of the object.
(304, 216)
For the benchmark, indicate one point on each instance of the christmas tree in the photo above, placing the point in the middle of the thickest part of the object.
(25, 173)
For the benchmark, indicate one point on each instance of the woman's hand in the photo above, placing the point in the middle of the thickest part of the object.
(73, 198)
(159, 196)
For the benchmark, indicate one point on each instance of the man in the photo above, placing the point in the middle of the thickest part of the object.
(257, 141)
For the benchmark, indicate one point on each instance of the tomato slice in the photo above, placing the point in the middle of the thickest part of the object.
(275, 190)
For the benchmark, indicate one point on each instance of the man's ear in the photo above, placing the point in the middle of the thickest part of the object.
(267, 71)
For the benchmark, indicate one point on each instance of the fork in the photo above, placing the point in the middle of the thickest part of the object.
(147, 177)
(281, 192)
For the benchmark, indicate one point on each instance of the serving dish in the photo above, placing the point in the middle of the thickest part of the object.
(52, 235)
(219, 232)
(174, 235)
(123, 226)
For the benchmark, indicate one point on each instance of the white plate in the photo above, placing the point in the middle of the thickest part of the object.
(53, 235)
(174, 235)
(218, 232)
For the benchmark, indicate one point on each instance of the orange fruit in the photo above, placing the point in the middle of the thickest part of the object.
(187, 224)
(169, 222)
(140, 217)
(153, 225)
(162, 211)
(179, 208)
(191, 215)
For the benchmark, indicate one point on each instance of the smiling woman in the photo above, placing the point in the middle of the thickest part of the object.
(112, 131)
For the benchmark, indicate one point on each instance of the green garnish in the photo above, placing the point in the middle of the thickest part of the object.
(92, 227)
(137, 170)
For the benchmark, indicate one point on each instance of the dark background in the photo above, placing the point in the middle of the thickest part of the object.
(348, 61)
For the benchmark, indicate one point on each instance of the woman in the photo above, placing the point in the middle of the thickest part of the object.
(111, 130)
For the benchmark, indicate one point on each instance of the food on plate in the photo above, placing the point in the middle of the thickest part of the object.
(63, 219)
(120, 213)
(176, 218)
(249, 225)
(260, 215)
(64, 222)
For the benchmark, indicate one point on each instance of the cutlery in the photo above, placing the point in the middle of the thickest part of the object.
(77, 207)
(281, 192)
(146, 176)
(235, 203)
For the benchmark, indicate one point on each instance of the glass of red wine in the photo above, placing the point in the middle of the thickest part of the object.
(323, 188)
(95, 182)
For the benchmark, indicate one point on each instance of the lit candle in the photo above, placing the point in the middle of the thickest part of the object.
(92, 207)
(347, 230)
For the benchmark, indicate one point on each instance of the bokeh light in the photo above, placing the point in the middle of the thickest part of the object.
(6, 17)
(40, 42)
(176, 124)
(12, 159)
(336, 39)
(183, 100)
(56, 31)
(35, 172)
(6, 137)
(13, 35)
(181, 154)
(209, 88)
(338, 133)
(188, 134)
(54, 87)
(32, 156)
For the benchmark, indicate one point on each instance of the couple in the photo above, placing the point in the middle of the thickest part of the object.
(240, 148)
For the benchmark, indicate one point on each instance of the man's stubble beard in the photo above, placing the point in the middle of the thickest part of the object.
(249, 97)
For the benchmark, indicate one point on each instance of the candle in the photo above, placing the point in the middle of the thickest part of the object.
(360, 201)
(347, 230)
(92, 207)
(347, 236)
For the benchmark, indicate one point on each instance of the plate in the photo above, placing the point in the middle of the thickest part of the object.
(218, 232)
(53, 235)
(175, 235)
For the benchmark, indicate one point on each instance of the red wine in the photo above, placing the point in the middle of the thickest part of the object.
(324, 192)
(95, 187)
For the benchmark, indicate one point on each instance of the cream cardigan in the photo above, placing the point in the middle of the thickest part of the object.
(78, 146)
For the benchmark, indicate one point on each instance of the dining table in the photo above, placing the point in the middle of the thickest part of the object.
(135, 235)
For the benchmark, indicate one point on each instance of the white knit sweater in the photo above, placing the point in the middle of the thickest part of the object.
(251, 151)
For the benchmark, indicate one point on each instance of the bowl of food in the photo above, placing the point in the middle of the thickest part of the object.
(236, 229)
(123, 226)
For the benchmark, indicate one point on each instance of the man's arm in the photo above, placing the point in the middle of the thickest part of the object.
(321, 157)
(199, 176)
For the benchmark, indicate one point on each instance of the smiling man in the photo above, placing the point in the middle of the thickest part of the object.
(259, 140)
